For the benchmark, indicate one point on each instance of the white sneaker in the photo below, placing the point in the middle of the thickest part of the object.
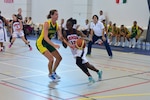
(118, 44)
(133, 46)
(56, 76)
(53, 78)
(110, 43)
(123, 44)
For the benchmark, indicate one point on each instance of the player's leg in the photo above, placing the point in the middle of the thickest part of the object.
(21, 34)
(91, 67)
(56, 63)
(12, 41)
(84, 69)
(50, 57)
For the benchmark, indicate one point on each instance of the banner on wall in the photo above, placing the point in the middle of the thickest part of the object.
(8, 1)
(121, 1)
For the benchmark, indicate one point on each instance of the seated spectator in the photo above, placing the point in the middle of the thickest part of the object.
(29, 26)
(109, 31)
(75, 26)
(25, 20)
(136, 32)
(115, 33)
(86, 28)
(123, 33)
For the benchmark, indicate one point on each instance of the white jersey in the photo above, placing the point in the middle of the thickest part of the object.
(1, 22)
(72, 38)
(16, 26)
(16, 29)
(3, 33)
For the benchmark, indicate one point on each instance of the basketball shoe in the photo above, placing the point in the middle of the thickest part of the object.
(91, 80)
(56, 75)
(53, 78)
(99, 75)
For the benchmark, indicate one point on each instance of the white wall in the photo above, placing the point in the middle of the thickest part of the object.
(41, 9)
(12, 8)
(6, 9)
(124, 13)
(117, 13)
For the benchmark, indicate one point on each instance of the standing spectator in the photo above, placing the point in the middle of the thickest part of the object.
(19, 16)
(97, 32)
(101, 16)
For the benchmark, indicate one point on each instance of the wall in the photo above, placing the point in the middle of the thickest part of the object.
(41, 9)
(12, 8)
(120, 14)
(123, 13)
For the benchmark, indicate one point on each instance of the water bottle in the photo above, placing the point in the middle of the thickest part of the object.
(143, 45)
(147, 46)
(139, 44)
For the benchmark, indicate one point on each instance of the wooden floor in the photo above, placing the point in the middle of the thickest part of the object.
(23, 76)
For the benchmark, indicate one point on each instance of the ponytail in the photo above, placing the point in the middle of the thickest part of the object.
(51, 12)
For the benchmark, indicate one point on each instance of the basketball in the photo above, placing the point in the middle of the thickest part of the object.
(80, 44)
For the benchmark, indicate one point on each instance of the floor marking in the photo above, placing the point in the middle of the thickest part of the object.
(113, 89)
(115, 96)
(22, 67)
(29, 92)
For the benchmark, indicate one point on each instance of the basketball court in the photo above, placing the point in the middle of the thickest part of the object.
(23, 76)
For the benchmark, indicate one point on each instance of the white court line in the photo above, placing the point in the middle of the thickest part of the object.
(22, 56)
(22, 67)
(6, 79)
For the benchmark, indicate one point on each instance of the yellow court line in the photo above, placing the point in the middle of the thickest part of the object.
(114, 96)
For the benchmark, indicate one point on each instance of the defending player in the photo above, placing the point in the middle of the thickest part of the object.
(47, 47)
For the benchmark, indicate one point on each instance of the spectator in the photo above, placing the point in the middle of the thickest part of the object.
(86, 27)
(101, 16)
(136, 32)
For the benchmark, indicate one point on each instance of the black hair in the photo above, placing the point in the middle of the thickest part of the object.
(95, 16)
(114, 24)
(15, 15)
(51, 12)
(0, 12)
(71, 20)
(122, 25)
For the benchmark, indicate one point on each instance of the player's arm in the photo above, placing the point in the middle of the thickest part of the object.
(80, 33)
(60, 33)
(11, 28)
(5, 21)
(65, 41)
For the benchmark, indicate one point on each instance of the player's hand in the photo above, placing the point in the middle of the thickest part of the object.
(57, 46)
(103, 37)
(72, 46)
